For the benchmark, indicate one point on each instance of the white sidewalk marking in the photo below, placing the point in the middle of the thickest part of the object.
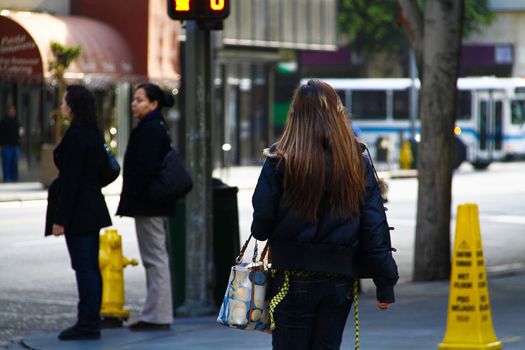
(505, 219)
(38, 242)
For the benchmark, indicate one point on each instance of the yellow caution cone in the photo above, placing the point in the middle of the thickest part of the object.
(469, 323)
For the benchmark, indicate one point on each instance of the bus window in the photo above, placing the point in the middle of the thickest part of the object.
(463, 107)
(342, 97)
(369, 104)
(401, 104)
(498, 125)
(483, 125)
(341, 94)
(518, 112)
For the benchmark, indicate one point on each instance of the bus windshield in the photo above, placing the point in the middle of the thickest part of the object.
(463, 106)
(518, 112)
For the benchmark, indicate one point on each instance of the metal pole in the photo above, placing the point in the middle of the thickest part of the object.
(413, 93)
(199, 245)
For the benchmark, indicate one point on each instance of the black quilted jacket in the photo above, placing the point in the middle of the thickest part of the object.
(358, 247)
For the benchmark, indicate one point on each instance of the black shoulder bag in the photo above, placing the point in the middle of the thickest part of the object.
(111, 168)
(173, 181)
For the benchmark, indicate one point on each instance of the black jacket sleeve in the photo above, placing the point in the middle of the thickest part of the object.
(374, 259)
(73, 156)
(150, 152)
(266, 199)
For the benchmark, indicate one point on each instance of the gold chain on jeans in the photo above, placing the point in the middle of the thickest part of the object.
(356, 314)
(279, 296)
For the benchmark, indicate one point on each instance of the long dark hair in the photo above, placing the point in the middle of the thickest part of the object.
(155, 93)
(82, 104)
(317, 125)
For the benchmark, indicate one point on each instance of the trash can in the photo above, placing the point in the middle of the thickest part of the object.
(226, 244)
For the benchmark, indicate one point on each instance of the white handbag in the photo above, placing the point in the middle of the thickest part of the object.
(245, 304)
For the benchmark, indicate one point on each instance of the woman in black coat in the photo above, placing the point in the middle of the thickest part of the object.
(76, 207)
(147, 146)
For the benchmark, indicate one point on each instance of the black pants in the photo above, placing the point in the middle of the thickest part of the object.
(83, 251)
(313, 314)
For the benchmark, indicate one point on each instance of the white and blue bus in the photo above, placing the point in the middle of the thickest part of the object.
(490, 118)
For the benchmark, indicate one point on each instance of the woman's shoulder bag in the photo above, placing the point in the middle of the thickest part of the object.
(172, 182)
(110, 169)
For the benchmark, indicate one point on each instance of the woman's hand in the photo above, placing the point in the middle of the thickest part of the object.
(57, 230)
(382, 306)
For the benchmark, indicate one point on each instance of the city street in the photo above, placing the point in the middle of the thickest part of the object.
(37, 290)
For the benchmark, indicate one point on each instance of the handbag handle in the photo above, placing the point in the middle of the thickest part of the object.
(238, 260)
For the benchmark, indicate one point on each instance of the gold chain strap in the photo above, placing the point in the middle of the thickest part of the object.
(356, 314)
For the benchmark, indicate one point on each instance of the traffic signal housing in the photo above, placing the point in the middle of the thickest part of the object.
(199, 10)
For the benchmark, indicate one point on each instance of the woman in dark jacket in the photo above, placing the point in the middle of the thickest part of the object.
(318, 203)
(76, 207)
(148, 144)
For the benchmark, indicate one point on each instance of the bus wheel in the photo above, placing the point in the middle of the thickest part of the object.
(480, 165)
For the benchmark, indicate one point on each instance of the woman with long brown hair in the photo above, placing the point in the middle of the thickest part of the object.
(319, 205)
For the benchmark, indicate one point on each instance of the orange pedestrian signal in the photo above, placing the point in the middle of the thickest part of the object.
(200, 10)
(217, 5)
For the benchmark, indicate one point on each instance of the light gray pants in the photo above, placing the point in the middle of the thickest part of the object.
(151, 236)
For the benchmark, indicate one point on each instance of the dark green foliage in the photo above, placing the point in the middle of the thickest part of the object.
(372, 25)
(477, 15)
(63, 56)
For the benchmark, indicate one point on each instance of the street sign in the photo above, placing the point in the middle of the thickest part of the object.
(200, 10)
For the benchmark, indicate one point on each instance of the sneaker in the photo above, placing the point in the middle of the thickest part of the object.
(74, 333)
(141, 326)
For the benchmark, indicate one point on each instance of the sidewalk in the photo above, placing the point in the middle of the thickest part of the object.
(244, 177)
(416, 321)
(32, 191)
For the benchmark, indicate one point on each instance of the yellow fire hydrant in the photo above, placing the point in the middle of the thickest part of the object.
(405, 157)
(112, 264)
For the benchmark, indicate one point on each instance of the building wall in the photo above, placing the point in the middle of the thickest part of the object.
(508, 28)
(163, 45)
(58, 7)
(293, 24)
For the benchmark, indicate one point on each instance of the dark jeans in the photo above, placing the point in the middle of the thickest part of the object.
(313, 314)
(10, 155)
(83, 251)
